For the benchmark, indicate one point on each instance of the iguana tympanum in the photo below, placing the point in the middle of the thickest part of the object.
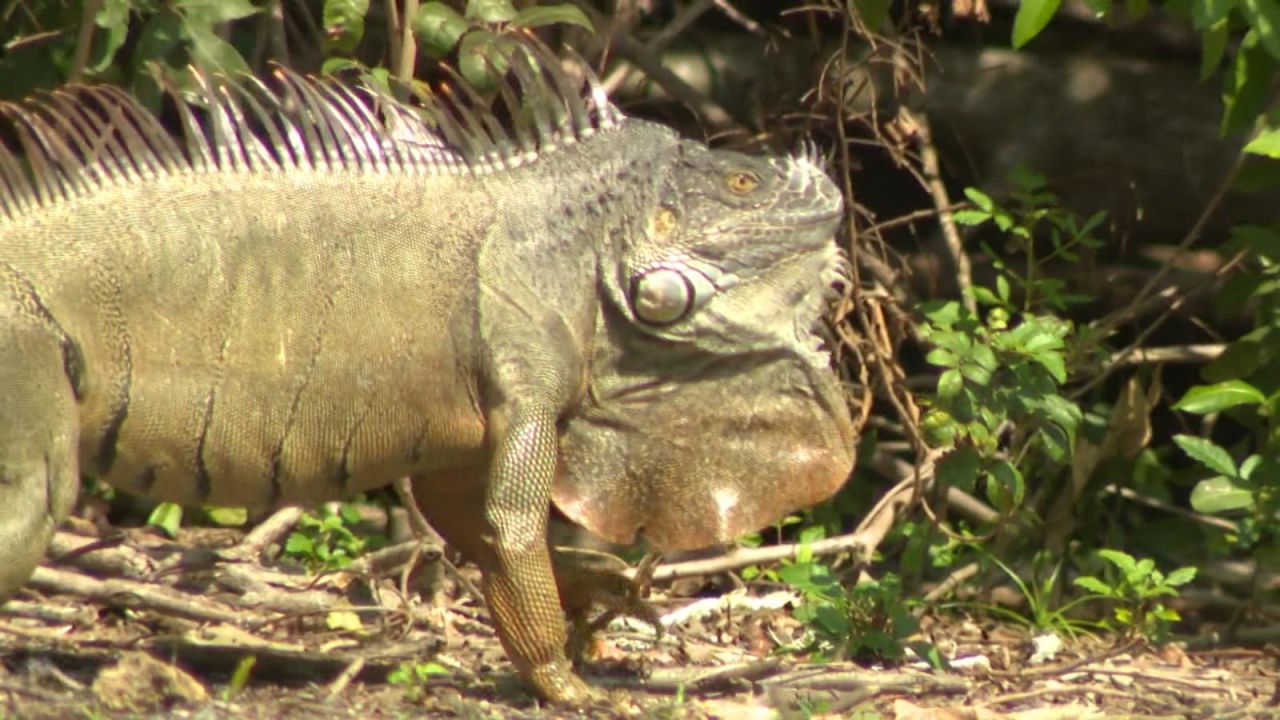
(314, 289)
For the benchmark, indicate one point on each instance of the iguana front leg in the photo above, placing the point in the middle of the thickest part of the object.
(520, 586)
(38, 437)
(501, 526)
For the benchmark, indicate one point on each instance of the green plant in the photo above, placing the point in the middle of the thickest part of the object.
(1041, 592)
(1135, 588)
(481, 34)
(998, 403)
(325, 541)
(414, 677)
(868, 619)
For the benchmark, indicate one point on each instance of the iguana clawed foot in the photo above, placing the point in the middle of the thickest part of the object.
(597, 583)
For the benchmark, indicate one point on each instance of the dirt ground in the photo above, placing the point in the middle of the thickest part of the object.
(143, 628)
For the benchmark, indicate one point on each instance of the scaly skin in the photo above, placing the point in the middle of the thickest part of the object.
(273, 325)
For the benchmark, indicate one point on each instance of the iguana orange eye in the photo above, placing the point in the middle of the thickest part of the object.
(741, 183)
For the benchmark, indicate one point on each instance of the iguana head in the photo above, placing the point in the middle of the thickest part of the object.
(712, 408)
(737, 257)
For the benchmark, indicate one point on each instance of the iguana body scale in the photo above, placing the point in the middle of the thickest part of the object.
(312, 290)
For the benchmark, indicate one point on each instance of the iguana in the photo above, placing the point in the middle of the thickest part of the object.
(315, 288)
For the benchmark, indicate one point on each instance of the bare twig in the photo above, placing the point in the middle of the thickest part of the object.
(84, 40)
(1106, 324)
(344, 678)
(140, 595)
(404, 490)
(861, 542)
(408, 56)
(683, 19)
(1135, 496)
(733, 14)
(651, 65)
(267, 533)
(1151, 327)
(1170, 354)
(932, 173)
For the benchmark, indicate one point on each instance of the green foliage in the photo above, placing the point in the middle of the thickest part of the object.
(868, 620)
(998, 404)
(167, 517)
(1045, 612)
(325, 541)
(1135, 587)
(344, 24)
(1252, 484)
(477, 33)
(1032, 17)
(415, 677)
(240, 677)
(131, 38)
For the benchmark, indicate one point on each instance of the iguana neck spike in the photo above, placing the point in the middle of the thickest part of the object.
(80, 140)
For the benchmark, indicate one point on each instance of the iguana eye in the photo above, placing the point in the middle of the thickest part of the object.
(662, 296)
(742, 182)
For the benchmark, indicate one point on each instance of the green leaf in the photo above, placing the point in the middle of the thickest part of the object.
(207, 13)
(478, 59)
(1203, 399)
(1008, 488)
(941, 357)
(1266, 143)
(227, 516)
(161, 34)
(1264, 16)
(959, 469)
(168, 517)
(1057, 442)
(979, 198)
(344, 24)
(1207, 453)
(240, 676)
(976, 374)
(1055, 364)
(1181, 576)
(1205, 13)
(950, 383)
(438, 27)
(1032, 17)
(1122, 560)
(873, 13)
(1262, 240)
(540, 15)
(1249, 86)
(1094, 585)
(214, 55)
(1219, 495)
(490, 11)
(1213, 46)
(939, 428)
(944, 314)
(970, 217)
(299, 544)
(984, 296)
(113, 17)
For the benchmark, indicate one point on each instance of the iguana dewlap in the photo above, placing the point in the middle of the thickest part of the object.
(314, 289)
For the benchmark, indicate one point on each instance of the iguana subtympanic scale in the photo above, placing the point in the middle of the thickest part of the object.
(314, 289)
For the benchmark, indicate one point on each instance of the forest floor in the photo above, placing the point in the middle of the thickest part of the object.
(184, 629)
